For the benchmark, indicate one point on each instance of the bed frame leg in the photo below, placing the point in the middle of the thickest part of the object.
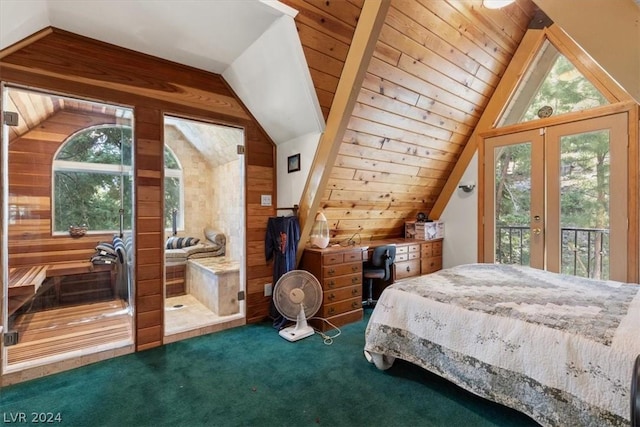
(635, 394)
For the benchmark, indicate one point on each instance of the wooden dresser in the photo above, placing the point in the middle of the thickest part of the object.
(339, 270)
(415, 258)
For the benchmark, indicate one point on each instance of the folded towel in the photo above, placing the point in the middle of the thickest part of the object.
(217, 238)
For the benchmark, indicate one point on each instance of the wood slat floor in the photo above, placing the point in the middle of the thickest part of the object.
(82, 328)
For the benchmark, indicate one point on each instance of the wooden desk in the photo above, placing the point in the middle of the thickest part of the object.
(413, 257)
(339, 271)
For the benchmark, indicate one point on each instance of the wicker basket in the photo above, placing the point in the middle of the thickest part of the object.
(77, 230)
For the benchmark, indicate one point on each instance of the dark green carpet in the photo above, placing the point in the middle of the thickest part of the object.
(249, 376)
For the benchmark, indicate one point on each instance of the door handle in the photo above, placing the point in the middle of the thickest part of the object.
(537, 231)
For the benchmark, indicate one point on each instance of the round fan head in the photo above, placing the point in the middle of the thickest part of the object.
(296, 288)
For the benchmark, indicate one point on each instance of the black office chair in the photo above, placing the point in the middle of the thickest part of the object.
(378, 267)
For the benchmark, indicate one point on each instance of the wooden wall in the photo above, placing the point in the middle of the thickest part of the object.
(326, 29)
(435, 66)
(30, 157)
(72, 65)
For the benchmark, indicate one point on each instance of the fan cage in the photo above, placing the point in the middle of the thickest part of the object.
(300, 279)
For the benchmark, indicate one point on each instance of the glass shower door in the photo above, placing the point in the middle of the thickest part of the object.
(67, 215)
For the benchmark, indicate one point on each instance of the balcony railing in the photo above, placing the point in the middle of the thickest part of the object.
(585, 251)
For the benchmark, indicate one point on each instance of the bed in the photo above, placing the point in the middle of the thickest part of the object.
(558, 348)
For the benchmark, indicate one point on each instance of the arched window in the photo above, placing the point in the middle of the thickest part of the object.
(93, 180)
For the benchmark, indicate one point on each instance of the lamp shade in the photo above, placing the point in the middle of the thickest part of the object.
(319, 236)
(496, 4)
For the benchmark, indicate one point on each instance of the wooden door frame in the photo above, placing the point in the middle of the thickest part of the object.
(536, 140)
(618, 218)
(633, 129)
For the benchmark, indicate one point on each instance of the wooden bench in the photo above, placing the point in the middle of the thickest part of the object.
(24, 282)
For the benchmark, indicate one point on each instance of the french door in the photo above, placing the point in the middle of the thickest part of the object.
(556, 198)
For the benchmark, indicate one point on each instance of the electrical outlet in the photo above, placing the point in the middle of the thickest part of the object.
(268, 289)
(265, 200)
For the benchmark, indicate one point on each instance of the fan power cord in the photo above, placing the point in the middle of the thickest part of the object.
(328, 339)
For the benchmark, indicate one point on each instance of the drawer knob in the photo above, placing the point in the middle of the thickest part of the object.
(355, 304)
(332, 284)
(354, 268)
(331, 310)
(408, 268)
(332, 297)
(354, 280)
(354, 291)
(331, 272)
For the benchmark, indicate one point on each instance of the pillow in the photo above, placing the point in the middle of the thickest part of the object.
(105, 248)
(118, 245)
(181, 242)
(215, 236)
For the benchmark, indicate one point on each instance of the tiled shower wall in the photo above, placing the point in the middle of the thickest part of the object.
(214, 195)
(228, 202)
(198, 186)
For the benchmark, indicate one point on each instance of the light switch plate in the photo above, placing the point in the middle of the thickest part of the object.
(265, 200)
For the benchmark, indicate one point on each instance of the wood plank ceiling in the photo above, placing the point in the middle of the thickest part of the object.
(435, 66)
(434, 69)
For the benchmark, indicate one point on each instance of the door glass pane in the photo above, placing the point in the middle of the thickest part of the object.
(551, 86)
(204, 199)
(513, 204)
(67, 219)
(584, 201)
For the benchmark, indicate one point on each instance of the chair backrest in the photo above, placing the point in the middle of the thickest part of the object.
(384, 256)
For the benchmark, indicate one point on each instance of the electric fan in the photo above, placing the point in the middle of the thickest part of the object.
(297, 296)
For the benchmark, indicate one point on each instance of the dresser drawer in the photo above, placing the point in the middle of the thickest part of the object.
(341, 269)
(330, 259)
(344, 306)
(427, 250)
(337, 320)
(414, 248)
(432, 249)
(341, 294)
(353, 256)
(407, 269)
(437, 248)
(331, 283)
(429, 265)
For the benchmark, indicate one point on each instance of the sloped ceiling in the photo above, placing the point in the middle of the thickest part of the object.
(206, 34)
(436, 65)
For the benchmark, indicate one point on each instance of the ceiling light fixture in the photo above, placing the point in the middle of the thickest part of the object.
(496, 4)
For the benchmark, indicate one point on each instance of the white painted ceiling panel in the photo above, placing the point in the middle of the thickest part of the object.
(206, 34)
(277, 58)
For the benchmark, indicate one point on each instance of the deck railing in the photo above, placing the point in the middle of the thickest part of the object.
(585, 251)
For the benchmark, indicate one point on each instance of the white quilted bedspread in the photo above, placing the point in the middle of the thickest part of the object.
(558, 348)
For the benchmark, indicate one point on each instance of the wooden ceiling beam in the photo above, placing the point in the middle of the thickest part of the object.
(364, 40)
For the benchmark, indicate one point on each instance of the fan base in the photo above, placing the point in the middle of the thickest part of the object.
(295, 333)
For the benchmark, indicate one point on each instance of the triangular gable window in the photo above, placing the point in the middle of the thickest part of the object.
(551, 86)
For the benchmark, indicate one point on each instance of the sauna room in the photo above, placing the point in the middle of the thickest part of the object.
(70, 250)
(70, 226)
